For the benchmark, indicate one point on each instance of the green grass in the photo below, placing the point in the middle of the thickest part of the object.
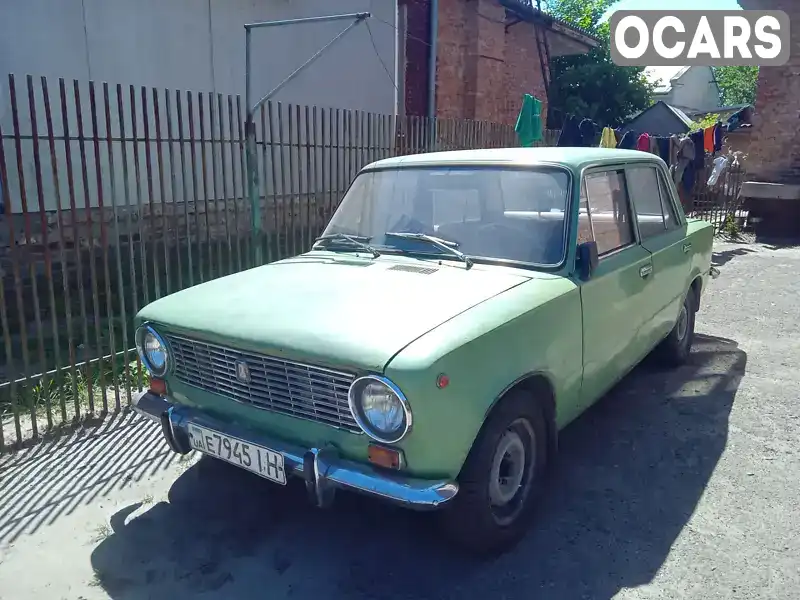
(68, 392)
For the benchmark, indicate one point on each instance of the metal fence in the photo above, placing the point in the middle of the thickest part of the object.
(720, 204)
(115, 195)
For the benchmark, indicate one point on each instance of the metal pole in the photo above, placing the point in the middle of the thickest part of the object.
(251, 149)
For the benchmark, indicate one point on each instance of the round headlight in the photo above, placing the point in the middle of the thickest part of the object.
(153, 351)
(380, 408)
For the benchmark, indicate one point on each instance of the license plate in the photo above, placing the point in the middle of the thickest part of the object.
(256, 459)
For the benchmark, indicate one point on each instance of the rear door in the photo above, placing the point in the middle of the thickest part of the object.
(663, 233)
(615, 302)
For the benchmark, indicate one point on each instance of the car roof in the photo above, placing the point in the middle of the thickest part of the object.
(573, 158)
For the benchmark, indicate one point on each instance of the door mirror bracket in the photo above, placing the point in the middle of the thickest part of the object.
(587, 260)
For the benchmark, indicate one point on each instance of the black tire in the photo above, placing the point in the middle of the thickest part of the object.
(674, 350)
(472, 520)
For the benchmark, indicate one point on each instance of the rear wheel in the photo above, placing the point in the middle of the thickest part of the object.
(501, 478)
(675, 348)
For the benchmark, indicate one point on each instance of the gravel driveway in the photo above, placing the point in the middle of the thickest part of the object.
(679, 484)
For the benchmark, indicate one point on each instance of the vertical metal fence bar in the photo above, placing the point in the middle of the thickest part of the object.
(51, 143)
(184, 187)
(297, 196)
(264, 184)
(161, 187)
(13, 372)
(276, 233)
(216, 139)
(131, 248)
(201, 115)
(284, 248)
(104, 250)
(195, 198)
(319, 189)
(240, 148)
(32, 268)
(232, 146)
(288, 205)
(90, 237)
(310, 183)
(48, 266)
(224, 145)
(324, 171)
(111, 316)
(173, 189)
(137, 173)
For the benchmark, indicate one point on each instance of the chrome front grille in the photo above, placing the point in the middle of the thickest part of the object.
(281, 386)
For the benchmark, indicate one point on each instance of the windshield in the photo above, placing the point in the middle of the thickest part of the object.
(494, 213)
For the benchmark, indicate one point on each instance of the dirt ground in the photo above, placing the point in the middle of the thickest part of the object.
(679, 484)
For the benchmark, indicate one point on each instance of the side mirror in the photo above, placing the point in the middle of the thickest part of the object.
(587, 259)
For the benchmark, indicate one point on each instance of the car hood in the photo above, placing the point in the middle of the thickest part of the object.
(334, 310)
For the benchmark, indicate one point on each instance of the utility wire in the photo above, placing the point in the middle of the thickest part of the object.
(383, 64)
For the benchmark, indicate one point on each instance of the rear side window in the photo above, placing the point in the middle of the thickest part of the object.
(646, 194)
(609, 215)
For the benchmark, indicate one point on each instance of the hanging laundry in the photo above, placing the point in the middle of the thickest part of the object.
(718, 137)
(719, 166)
(663, 144)
(589, 132)
(684, 160)
(628, 141)
(570, 134)
(619, 134)
(698, 141)
(643, 142)
(608, 139)
(529, 121)
(653, 145)
(708, 139)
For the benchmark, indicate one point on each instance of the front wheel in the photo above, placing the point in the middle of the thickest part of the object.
(501, 478)
(675, 348)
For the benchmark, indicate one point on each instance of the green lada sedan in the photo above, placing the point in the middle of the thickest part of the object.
(457, 312)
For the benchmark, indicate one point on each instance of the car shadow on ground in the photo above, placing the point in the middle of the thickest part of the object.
(630, 474)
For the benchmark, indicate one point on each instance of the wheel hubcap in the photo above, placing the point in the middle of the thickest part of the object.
(508, 469)
(512, 472)
(683, 323)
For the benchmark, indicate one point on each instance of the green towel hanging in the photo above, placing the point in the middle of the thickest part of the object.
(529, 121)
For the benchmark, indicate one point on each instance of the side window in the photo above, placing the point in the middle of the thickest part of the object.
(646, 192)
(670, 217)
(609, 210)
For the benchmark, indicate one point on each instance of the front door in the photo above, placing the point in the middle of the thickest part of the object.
(615, 300)
(663, 234)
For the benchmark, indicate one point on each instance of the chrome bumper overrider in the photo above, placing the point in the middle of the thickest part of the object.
(321, 468)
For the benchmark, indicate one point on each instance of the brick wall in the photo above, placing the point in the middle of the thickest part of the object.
(774, 149)
(417, 51)
(482, 69)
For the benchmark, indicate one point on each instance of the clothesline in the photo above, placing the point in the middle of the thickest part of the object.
(684, 153)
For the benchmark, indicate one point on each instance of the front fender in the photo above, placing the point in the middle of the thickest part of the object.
(533, 328)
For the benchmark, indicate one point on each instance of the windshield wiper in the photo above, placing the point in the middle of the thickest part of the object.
(445, 245)
(349, 239)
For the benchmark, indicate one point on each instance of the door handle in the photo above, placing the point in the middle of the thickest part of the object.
(645, 270)
(686, 248)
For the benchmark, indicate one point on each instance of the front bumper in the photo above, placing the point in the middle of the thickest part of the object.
(321, 468)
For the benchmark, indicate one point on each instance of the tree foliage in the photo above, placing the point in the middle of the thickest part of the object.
(737, 85)
(591, 85)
